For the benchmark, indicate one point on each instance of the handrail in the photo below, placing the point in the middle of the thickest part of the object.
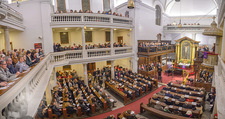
(89, 17)
(10, 8)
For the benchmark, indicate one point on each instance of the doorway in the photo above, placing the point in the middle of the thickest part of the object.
(91, 67)
(120, 40)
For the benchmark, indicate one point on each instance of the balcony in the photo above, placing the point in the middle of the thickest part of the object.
(186, 28)
(11, 18)
(25, 93)
(89, 19)
(156, 50)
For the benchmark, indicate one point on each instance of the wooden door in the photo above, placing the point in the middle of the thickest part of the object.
(120, 39)
(91, 67)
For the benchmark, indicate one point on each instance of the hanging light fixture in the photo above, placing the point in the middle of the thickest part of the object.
(85, 27)
(180, 25)
(130, 4)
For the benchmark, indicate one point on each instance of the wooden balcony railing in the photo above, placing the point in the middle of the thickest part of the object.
(155, 49)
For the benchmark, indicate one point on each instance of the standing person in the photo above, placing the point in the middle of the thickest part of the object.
(159, 72)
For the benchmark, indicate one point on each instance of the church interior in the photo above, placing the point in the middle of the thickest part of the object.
(112, 59)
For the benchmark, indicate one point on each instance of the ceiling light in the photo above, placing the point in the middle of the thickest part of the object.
(91, 28)
(115, 29)
(130, 4)
(85, 27)
(66, 28)
(130, 29)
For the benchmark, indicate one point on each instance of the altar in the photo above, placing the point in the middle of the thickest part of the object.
(185, 52)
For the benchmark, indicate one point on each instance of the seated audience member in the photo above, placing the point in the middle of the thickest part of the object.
(161, 93)
(56, 110)
(188, 114)
(10, 66)
(186, 105)
(14, 58)
(85, 108)
(111, 117)
(5, 75)
(199, 107)
(182, 99)
(155, 97)
(21, 65)
(166, 109)
(169, 101)
(70, 109)
(158, 107)
(129, 114)
(29, 61)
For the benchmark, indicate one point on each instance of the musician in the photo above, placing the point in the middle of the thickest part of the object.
(159, 71)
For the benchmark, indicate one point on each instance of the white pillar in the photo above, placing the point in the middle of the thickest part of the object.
(134, 63)
(112, 70)
(85, 74)
(111, 42)
(48, 94)
(83, 43)
(223, 44)
(54, 77)
(7, 41)
(194, 36)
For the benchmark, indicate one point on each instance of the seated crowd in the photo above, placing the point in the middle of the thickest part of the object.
(13, 63)
(71, 94)
(150, 66)
(89, 11)
(57, 46)
(205, 76)
(175, 100)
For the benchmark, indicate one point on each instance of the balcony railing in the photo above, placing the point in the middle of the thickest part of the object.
(155, 49)
(11, 17)
(26, 92)
(89, 18)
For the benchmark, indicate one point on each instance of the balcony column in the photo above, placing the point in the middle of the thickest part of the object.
(85, 74)
(7, 41)
(48, 94)
(54, 77)
(194, 36)
(112, 70)
(111, 42)
(223, 44)
(84, 52)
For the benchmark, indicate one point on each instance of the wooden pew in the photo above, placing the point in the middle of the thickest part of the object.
(145, 85)
(139, 88)
(186, 96)
(90, 102)
(51, 115)
(99, 97)
(79, 112)
(173, 107)
(174, 100)
(188, 91)
(115, 90)
(160, 113)
(191, 87)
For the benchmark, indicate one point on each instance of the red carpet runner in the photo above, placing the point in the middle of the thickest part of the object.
(166, 79)
(135, 106)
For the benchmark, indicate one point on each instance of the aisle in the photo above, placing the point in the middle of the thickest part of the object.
(135, 106)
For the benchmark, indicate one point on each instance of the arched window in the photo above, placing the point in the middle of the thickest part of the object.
(61, 5)
(158, 14)
(106, 5)
(85, 5)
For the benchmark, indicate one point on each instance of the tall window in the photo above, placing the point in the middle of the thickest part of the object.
(85, 5)
(61, 5)
(158, 14)
(106, 5)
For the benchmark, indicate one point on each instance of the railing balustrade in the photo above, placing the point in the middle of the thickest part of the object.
(155, 49)
(89, 18)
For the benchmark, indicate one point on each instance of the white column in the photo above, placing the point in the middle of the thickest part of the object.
(48, 94)
(111, 42)
(54, 77)
(85, 74)
(134, 63)
(194, 36)
(83, 43)
(112, 70)
(7, 41)
(223, 44)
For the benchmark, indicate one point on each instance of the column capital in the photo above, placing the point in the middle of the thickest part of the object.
(5, 27)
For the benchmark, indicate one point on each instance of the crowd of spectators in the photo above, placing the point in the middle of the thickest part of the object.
(211, 98)
(150, 66)
(73, 88)
(57, 46)
(89, 11)
(179, 101)
(205, 76)
(13, 63)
